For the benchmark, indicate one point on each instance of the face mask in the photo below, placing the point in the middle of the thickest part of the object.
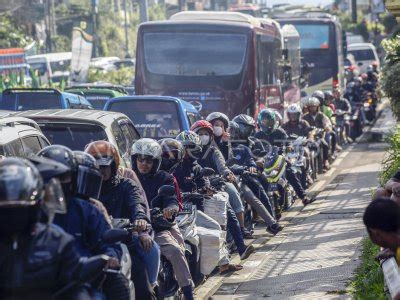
(205, 139)
(218, 131)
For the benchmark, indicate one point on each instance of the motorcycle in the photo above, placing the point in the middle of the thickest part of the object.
(369, 107)
(356, 123)
(342, 118)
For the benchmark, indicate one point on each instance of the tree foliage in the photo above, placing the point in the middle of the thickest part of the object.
(12, 34)
(123, 76)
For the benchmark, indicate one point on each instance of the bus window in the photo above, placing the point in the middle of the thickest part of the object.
(313, 36)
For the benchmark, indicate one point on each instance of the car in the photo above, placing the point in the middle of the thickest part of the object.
(354, 38)
(364, 54)
(77, 128)
(20, 137)
(20, 99)
(98, 94)
(156, 116)
(52, 67)
(124, 63)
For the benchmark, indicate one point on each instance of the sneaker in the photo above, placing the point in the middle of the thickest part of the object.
(274, 228)
(247, 235)
(249, 250)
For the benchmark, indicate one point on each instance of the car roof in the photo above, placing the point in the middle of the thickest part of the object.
(360, 46)
(11, 126)
(98, 117)
(186, 105)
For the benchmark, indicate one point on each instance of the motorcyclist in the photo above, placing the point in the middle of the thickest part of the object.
(299, 127)
(247, 127)
(319, 120)
(328, 104)
(25, 273)
(342, 105)
(121, 198)
(212, 157)
(271, 133)
(82, 220)
(188, 176)
(324, 104)
(146, 161)
(242, 157)
(220, 123)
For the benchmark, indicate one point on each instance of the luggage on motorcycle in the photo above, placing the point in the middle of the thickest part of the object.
(215, 207)
(196, 199)
(209, 249)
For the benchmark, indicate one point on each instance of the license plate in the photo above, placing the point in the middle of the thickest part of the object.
(187, 208)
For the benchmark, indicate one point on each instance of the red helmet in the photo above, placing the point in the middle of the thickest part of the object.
(202, 124)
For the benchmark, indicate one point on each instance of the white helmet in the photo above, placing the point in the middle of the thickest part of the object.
(312, 101)
(294, 109)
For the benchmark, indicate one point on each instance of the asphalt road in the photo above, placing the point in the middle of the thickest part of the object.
(317, 252)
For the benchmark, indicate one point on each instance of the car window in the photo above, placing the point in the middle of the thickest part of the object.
(31, 145)
(14, 148)
(26, 100)
(128, 136)
(73, 136)
(43, 142)
(119, 138)
(134, 132)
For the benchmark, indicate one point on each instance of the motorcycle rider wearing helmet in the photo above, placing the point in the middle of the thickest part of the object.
(242, 157)
(319, 120)
(23, 239)
(220, 123)
(121, 198)
(82, 220)
(146, 161)
(212, 157)
(329, 110)
(297, 126)
(274, 135)
(172, 156)
(342, 104)
(246, 130)
(323, 103)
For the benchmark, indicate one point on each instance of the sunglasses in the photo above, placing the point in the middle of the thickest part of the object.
(145, 160)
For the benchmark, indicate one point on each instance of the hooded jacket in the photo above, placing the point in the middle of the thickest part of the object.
(211, 157)
(122, 199)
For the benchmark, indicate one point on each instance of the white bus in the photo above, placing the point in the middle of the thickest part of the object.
(54, 66)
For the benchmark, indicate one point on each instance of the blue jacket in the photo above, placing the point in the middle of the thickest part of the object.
(88, 225)
(242, 156)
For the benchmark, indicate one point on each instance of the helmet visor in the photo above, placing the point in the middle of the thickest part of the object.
(105, 161)
(89, 182)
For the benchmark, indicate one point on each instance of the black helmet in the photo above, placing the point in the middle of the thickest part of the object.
(245, 120)
(246, 125)
(65, 156)
(328, 95)
(48, 168)
(88, 177)
(59, 154)
(172, 154)
(234, 130)
(218, 116)
(21, 191)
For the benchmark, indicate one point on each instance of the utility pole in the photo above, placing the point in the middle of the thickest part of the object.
(126, 31)
(143, 11)
(95, 11)
(354, 11)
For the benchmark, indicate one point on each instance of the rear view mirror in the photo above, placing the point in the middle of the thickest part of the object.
(166, 191)
(207, 172)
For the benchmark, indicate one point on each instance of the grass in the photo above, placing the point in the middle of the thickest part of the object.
(368, 280)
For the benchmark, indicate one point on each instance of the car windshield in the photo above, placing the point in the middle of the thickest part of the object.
(194, 53)
(313, 36)
(152, 118)
(40, 67)
(60, 65)
(73, 136)
(98, 100)
(26, 101)
(364, 54)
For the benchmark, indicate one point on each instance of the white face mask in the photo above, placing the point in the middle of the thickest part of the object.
(205, 139)
(218, 131)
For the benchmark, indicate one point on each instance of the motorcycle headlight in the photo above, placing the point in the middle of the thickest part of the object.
(366, 104)
(273, 173)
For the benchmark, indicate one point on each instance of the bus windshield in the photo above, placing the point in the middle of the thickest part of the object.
(313, 36)
(195, 54)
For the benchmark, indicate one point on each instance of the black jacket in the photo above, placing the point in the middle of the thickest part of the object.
(276, 138)
(319, 120)
(302, 128)
(151, 184)
(122, 199)
(224, 147)
(185, 173)
(211, 157)
(41, 263)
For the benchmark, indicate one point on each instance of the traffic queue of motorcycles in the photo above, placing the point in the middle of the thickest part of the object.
(78, 225)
